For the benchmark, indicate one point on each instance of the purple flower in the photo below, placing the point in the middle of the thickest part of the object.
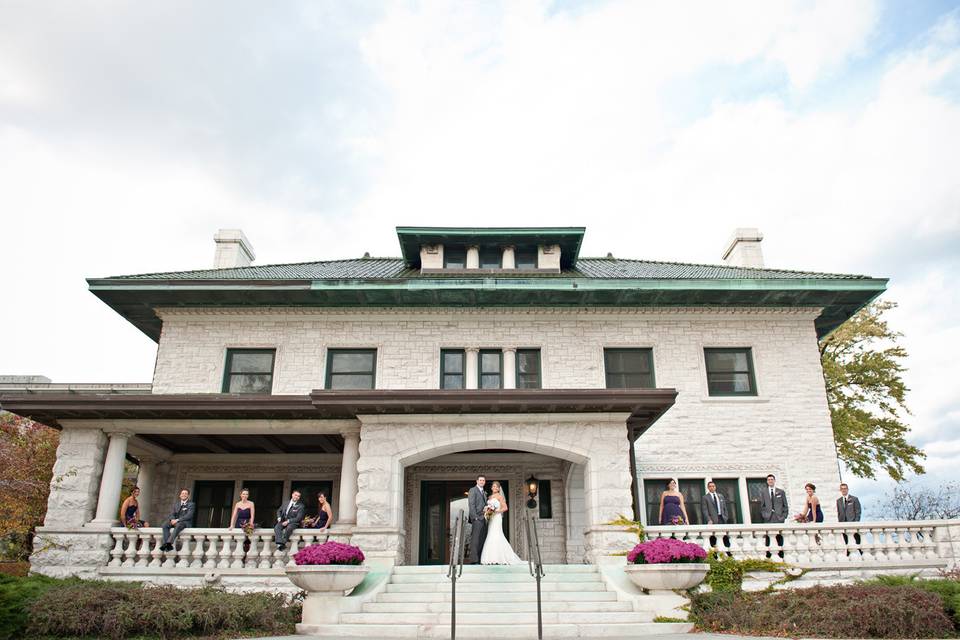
(329, 553)
(664, 550)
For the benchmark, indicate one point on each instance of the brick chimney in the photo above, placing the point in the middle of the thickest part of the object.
(233, 249)
(743, 249)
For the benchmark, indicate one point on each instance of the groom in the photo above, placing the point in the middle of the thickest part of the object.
(476, 502)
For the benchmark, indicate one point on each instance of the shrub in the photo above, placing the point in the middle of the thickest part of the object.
(329, 553)
(946, 589)
(726, 574)
(16, 595)
(664, 550)
(122, 610)
(853, 611)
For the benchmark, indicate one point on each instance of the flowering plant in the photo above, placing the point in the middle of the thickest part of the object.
(666, 550)
(329, 553)
(248, 528)
(677, 520)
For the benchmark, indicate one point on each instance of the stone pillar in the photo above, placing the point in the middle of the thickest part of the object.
(471, 368)
(148, 471)
(509, 258)
(509, 367)
(347, 510)
(473, 257)
(110, 482)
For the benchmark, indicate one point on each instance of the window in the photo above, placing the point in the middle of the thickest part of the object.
(308, 494)
(214, 503)
(454, 257)
(730, 372)
(490, 257)
(452, 368)
(267, 496)
(525, 257)
(490, 363)
(755, 486)
(351, 368)
(528, 369)
(628, 368)
(545, 499)
(692, 490)
(729, 488)
(248, 371)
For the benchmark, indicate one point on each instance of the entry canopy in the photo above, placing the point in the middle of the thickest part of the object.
(644, 406)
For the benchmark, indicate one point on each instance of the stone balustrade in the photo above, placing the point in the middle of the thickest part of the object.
(930, 543)
(209, 550)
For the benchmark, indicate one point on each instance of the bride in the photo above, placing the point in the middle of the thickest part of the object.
(496, 549)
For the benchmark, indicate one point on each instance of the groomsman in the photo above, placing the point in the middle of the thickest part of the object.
(773, 508)
(848, 510)
(181, 517)
(713, 508)
(289, 517)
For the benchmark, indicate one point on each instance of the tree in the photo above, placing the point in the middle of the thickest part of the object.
(28, 451)
(914, 502)
(862, 367)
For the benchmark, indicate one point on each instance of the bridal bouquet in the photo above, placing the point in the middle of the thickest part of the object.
(248, 528)
(800, 517)
(493, 505)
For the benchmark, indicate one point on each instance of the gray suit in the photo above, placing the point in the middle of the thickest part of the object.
(848, 509)
(773, 510)
(708, 509)
(476, 501)
(294, 519)
(183, 514)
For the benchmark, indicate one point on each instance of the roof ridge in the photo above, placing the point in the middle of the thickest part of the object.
(723, 266)
(259, 266)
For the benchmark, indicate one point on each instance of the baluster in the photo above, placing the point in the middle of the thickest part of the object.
(143, 552)
(156, 555)
(196, 557)
(833, 546)
(292, 548)
(790, 545)
(209, 560)
(736, 544)
(238, 553)
(116, 553)
(930, 542)
(224, 557)
(130, 552)
(266, 551)
(183, 557)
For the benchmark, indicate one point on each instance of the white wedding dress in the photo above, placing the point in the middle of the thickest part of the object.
(496, 548)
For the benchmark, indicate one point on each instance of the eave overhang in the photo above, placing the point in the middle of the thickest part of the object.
(644, 406)
(569, 238)
(137, 300)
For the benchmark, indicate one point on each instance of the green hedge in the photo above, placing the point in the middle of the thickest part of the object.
(852, 611)
(43, 607)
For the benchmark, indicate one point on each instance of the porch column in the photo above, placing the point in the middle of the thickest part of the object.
(108, 503)
(473, 257)
(148, 470)
(509, 258)
(349, 476)
(470, 377)
(509, 367)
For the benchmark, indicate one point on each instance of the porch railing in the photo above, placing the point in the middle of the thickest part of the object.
(916, 543)
(208, 549)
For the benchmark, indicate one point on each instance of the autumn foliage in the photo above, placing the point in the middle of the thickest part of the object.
(28, 451)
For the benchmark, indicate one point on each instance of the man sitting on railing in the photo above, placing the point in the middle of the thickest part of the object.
(179, 519)
(289, 517)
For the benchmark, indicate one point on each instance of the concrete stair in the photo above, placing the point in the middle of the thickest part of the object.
(416, 603)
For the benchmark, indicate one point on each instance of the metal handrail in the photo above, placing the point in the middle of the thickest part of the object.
(535, 563)
(455, 570)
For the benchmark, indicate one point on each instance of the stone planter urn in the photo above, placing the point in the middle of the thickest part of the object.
(667, 576)
(325, 585)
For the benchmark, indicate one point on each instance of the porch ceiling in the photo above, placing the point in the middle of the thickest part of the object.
(644, 406)
(279, 443)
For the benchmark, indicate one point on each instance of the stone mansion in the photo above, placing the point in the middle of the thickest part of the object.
(390, 383)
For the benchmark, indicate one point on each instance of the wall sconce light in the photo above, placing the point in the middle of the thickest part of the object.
(532, 486)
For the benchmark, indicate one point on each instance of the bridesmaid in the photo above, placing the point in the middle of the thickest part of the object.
(130, 510)
(324, 513)
(672, 506)
(813, 512)
(243, 511)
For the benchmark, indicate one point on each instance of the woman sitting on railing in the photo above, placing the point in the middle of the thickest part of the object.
(130, 511)
(324, 517)
(813, 513)
(243, 511)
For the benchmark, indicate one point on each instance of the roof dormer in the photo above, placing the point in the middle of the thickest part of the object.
(490, 249)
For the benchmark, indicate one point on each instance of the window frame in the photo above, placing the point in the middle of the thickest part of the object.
(454, 248)
(480, 373)
(751, 371)
(228, 364)
(530, 249)
(606, 370)
(481, 251)
(331, 352)
(516, 368)
(463, 368)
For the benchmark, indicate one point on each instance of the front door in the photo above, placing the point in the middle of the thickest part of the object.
(441, 501)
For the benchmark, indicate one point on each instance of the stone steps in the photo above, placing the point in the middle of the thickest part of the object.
(484, 596)
(492, 586)
(530, 605)
(499, 617)
(489, 631)
(499, 578)
(488, 569)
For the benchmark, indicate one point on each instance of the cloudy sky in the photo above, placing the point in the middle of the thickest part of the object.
(130, 132)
